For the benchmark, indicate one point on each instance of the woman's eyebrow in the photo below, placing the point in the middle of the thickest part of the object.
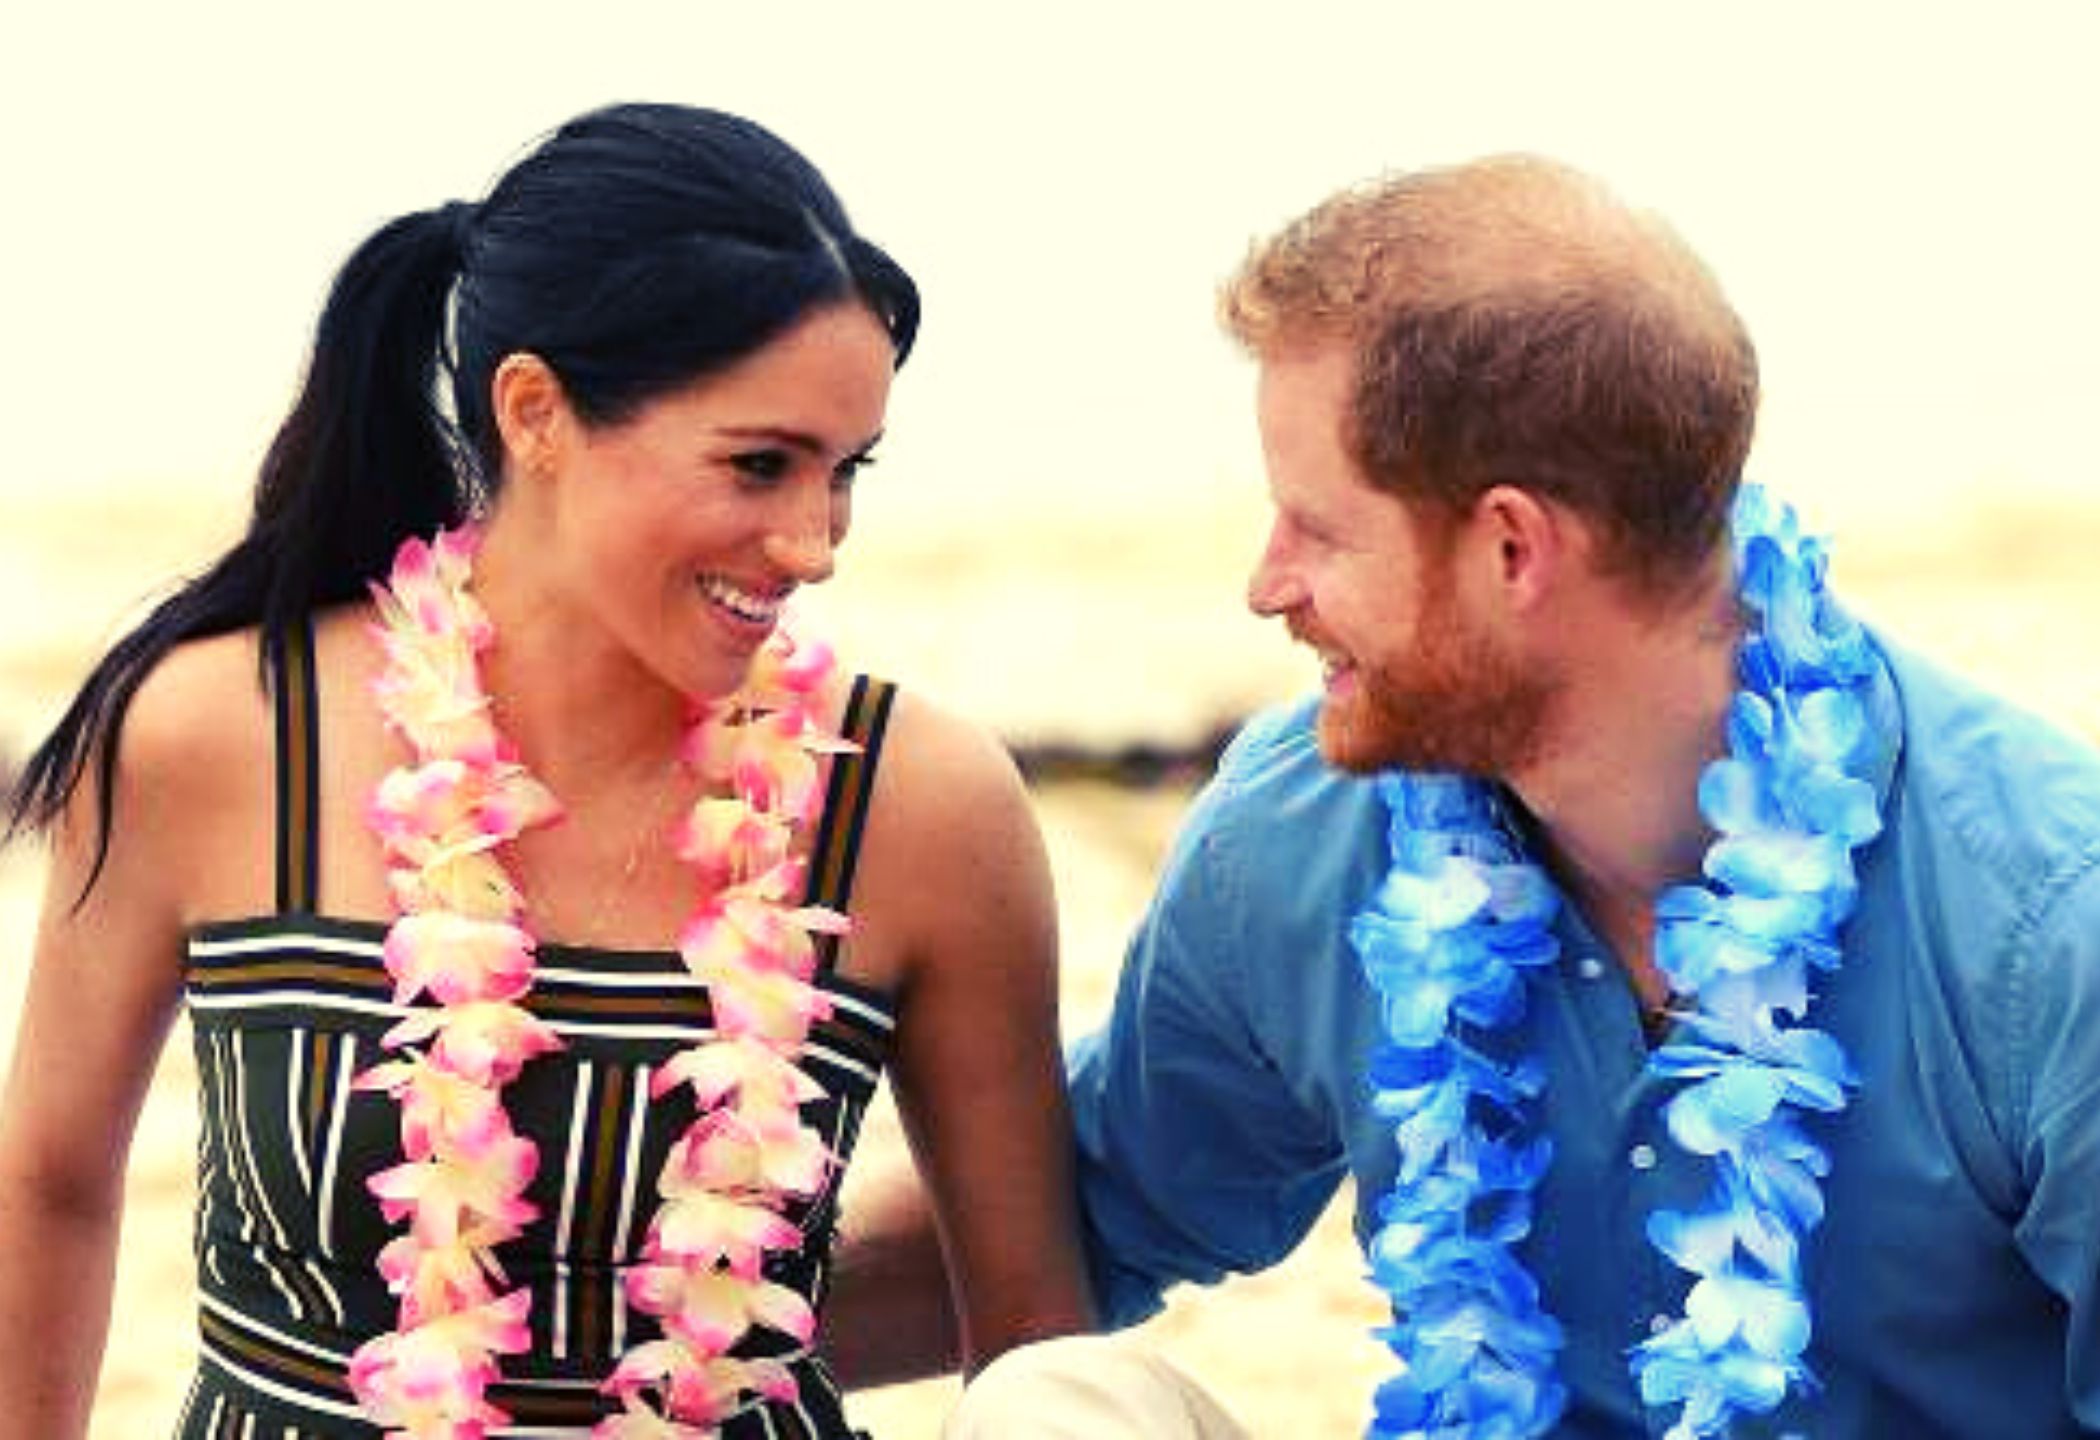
(792, 438)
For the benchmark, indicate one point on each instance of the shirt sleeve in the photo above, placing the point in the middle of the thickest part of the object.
(1195, 1159)
(2059, 1230)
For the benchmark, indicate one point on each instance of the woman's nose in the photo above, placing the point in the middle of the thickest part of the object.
(802, 551)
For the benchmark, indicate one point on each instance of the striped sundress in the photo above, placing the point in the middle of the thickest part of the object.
(287, 1009)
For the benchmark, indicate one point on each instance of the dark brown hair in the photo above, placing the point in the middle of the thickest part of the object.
(635, 249)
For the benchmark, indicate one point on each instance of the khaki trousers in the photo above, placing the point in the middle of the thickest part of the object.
(1087, 1387)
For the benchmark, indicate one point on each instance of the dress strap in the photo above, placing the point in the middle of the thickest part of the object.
(298, 770)
(846, 799)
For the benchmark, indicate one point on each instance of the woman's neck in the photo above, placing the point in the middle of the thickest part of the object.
(583, 711)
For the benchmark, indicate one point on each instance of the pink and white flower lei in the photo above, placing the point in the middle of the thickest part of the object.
(461, 945)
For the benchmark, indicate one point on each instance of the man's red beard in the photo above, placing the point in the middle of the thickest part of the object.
(1455, 702)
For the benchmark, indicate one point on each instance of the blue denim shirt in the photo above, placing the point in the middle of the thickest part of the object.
(1955, 1282)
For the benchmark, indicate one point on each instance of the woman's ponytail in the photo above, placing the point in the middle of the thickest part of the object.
(635, 249)
(367, 457)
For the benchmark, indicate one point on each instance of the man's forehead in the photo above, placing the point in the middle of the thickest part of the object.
(1304, 385)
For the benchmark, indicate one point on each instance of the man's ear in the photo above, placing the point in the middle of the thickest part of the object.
(532, 412)
(1525, 545)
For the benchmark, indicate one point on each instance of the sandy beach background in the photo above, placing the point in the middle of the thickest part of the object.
(1065, 632)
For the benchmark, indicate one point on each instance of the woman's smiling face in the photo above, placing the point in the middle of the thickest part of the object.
(684, 528)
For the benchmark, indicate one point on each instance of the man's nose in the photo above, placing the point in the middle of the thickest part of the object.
(1272, 588)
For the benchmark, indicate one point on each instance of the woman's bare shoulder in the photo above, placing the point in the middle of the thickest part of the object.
(953, 864)
(944, 774)
(202, 707)
(195, 770)
(191, 763)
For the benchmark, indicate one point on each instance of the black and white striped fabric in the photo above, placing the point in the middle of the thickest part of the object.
(287, 1009)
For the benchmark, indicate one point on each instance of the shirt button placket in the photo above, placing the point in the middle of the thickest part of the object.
(1650, 1311)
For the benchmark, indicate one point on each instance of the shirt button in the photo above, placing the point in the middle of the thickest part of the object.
(1658, 1323)
(1641, 1157)
(1589, 967)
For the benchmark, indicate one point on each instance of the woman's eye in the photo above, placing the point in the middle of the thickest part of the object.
(849, 470)
(764, 466)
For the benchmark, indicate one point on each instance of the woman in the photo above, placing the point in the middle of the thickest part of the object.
(541, 944)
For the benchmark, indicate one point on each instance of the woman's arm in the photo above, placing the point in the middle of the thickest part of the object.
(889, 1317)
(958, 882)
(103, 986)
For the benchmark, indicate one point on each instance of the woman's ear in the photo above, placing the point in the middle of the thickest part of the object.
(532, 413)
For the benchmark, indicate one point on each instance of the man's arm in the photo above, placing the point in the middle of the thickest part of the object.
(2059, 1233)
(1195, 1159)
(1198, 1158)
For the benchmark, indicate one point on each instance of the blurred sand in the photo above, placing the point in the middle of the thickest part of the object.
(1062, 632)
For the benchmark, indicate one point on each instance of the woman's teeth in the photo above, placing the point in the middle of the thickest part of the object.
(758, 609)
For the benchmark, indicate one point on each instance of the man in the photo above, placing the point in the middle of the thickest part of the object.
(1721, 1050)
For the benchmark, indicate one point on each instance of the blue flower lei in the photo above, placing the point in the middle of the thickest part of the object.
(1445, 942)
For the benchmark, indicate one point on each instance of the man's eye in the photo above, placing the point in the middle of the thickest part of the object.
(762, 465)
